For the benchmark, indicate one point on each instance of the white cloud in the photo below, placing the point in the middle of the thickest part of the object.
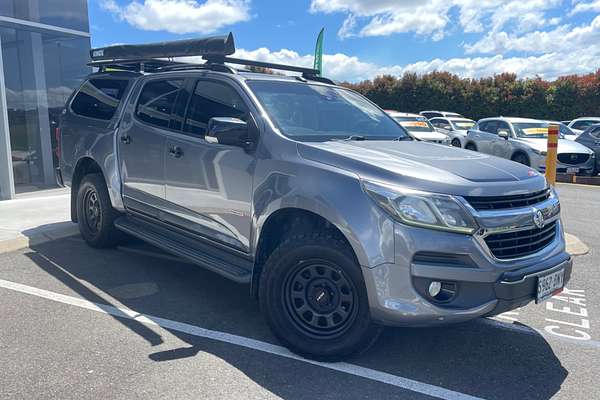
(563, 39)
(432, 18)
(180, 16)
(343, 67)
(580, 7)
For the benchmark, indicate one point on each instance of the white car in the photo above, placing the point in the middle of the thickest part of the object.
(433, 114)
(455, 128)
(419, 127)
(581, 124)
(565, 131)
(525, 141)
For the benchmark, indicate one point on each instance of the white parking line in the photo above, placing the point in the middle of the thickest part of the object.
(351, 369)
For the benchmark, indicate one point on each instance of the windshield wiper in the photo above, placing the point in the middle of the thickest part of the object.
(401, 138)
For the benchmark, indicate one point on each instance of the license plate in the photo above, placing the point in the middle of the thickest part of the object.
(572, 170)
(549, 285)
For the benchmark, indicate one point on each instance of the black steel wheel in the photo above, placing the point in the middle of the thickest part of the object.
(95, 214)
(314, 298)
(320, 298)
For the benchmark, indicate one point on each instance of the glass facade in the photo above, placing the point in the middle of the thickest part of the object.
(72, 14)
(41, 69)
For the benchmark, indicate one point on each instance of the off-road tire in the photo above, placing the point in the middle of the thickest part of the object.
(93, 198)
(282, 272)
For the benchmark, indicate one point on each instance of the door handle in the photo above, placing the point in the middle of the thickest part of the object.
(175, 152)
(125, 139)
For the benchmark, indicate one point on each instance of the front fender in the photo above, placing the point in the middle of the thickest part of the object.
(334, 194)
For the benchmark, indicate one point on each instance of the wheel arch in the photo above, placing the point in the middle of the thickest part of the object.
(85, 166)
(523, 153)
(291, 219)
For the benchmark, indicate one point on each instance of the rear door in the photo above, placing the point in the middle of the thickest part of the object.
(142, 144)
(209, 185)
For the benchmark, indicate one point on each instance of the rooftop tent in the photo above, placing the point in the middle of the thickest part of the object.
(211, 46)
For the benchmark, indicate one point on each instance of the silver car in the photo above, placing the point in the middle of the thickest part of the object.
(456, 128)
(525, 141)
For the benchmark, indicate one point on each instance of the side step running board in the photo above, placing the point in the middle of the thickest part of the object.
(228, 265)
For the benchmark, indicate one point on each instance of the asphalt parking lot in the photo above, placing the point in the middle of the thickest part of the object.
(135, 323)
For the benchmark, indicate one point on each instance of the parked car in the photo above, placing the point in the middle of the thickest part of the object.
(337, 219)
(567, 122)
(433, 114)
(564, 131)
(525, 141)
(581, 124)
(455, 128)
(590, 138)
(419, 127)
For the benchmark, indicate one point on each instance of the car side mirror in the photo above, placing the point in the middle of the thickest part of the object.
(227, 131)
(503, 133)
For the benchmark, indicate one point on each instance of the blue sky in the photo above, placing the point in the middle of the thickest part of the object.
(366, 38)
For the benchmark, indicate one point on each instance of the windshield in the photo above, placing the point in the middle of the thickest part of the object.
(462, 124)
(534, 130)
(316, 113)
(565, 130)
(415, 124)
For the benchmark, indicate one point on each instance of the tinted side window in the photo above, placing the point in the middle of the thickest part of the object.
(156, 101)
(99, 98)
(503, 126)
(213, 99)
(489, 126)
(582, 125)
(595, 132)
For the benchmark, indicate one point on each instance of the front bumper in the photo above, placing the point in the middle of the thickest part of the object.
(539, 162)
(483, 285)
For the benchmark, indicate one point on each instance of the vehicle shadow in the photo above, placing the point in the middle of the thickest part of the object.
(471, 358)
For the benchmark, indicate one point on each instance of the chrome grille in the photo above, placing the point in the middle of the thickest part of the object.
(521, 243)
(504, 202)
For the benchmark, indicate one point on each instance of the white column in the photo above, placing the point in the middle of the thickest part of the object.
(7, 184)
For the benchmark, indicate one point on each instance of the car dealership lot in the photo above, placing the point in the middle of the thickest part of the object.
(135, 323)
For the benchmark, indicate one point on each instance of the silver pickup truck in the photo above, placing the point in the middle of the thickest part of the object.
(312, 195)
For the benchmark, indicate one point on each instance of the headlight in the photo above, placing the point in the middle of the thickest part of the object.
(425, 210)
(539, 152)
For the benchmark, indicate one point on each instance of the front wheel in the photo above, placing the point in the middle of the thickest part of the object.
(521, 159)
(314, 298)
(456, 143)
(470, 146)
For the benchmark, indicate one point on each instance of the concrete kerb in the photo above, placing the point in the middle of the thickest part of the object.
(22, 241)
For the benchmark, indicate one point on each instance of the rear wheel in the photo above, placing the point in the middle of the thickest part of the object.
(314, 298)
(95, 214)
(456, 143)
(521, 159)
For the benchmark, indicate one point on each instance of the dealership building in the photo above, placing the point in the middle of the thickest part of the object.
(44, 50)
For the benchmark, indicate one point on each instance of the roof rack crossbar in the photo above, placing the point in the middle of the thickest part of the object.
(262, 64)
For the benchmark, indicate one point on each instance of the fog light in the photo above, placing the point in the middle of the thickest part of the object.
(434, 288)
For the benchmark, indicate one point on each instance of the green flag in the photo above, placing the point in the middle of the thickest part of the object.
(319, 53)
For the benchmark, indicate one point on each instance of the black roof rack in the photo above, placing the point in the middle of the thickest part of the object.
(157, 57)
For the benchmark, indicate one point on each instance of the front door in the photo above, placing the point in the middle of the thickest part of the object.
(500, 146)
(209, 185)
(142, 145)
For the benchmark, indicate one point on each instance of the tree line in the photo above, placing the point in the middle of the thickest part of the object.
(565, 98)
